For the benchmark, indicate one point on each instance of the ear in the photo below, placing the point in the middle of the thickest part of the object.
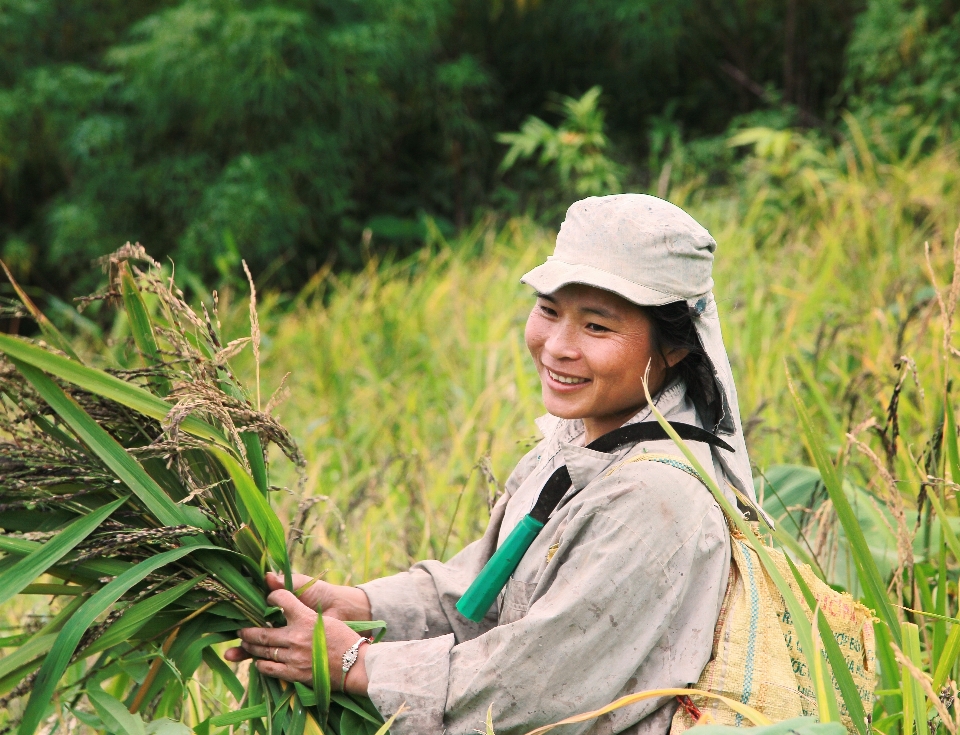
(675, 355)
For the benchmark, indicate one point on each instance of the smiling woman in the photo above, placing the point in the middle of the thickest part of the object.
(592, 349)
(606, 559)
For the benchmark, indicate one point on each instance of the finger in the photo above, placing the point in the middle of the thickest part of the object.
(311, 593)
(236, 654)
(282, 671)
(301, 579)
(269, 653)
(276, 582)
(293, 610)
(265, 636)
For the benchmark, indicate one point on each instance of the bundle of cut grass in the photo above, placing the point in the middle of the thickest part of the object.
(140, 497)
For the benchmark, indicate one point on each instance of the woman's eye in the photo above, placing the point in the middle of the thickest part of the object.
(546, 310)
(596, 328)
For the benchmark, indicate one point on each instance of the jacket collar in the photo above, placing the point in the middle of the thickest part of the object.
(565, 436)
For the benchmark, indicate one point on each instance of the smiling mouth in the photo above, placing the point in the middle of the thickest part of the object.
(566, 380)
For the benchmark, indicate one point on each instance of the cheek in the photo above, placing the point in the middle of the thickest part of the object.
(534, 334)
(622, 361)
(610, 360)
(642, 355)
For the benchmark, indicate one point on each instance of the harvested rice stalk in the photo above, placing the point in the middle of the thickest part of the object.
(131, 485)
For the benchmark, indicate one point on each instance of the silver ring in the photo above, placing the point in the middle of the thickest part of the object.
(276, 652)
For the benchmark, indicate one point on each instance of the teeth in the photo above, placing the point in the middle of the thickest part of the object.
(569, 381)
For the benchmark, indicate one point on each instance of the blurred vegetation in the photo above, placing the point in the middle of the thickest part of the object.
(294, 134)
(412, 395)
(389, 170)
(407, 386)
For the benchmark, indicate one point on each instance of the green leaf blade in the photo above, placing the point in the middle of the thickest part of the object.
(262, 516)
(105, 385)
(105, 446)
(951, 650)
(254, 450)
(52, 334)
(140, 324)
(114, 714)
(30, 651)
(321, 669)
(25, 571)
(219, 667)
(838, 664)
(866, 565)
(914, 703)
(241, 715)
(138, 615)
(72, 632)
(803, 627)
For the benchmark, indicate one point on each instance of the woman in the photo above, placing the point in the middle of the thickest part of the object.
(620, 590)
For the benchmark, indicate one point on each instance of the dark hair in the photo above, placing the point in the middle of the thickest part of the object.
(673, 328)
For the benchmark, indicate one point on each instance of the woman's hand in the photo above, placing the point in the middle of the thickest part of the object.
(334, 600)
(287, 653)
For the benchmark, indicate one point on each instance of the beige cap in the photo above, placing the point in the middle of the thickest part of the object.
(642, 248)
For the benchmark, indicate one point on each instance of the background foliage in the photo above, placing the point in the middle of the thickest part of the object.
(283, 130)
(390, 169)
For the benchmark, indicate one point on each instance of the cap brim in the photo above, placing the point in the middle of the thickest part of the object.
(555, 274)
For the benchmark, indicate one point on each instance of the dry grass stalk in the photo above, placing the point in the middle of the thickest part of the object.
(890, 495)
(951, 722)
(254, 331)
(948, 307)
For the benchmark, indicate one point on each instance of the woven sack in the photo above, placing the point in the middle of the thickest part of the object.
(852, 626)
(756, 658)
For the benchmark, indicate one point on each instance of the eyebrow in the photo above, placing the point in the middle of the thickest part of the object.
(598, 310)
(601, 312)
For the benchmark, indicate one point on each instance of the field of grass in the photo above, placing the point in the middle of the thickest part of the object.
(411, 395)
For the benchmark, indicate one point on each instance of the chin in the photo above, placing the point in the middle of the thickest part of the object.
(562, 409)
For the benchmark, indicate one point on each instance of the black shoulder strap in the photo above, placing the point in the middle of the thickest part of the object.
(648, 431)
(558, 484)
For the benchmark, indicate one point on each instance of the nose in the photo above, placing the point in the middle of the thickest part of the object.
(561, 343)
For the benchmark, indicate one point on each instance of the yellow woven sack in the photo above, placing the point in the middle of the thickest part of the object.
(756, 658)
(852, 626)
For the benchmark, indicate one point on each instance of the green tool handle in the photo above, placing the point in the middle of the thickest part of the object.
(480, 595)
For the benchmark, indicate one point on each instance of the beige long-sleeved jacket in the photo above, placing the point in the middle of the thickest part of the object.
(619, 593)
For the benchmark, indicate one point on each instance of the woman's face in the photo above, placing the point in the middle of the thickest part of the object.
(591, 348)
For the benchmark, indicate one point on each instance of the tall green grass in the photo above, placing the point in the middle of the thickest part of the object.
(411, 395)
(405, 377)
(410, 382)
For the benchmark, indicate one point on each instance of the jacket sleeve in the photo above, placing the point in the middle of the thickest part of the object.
(639, 573)
(420, 603)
